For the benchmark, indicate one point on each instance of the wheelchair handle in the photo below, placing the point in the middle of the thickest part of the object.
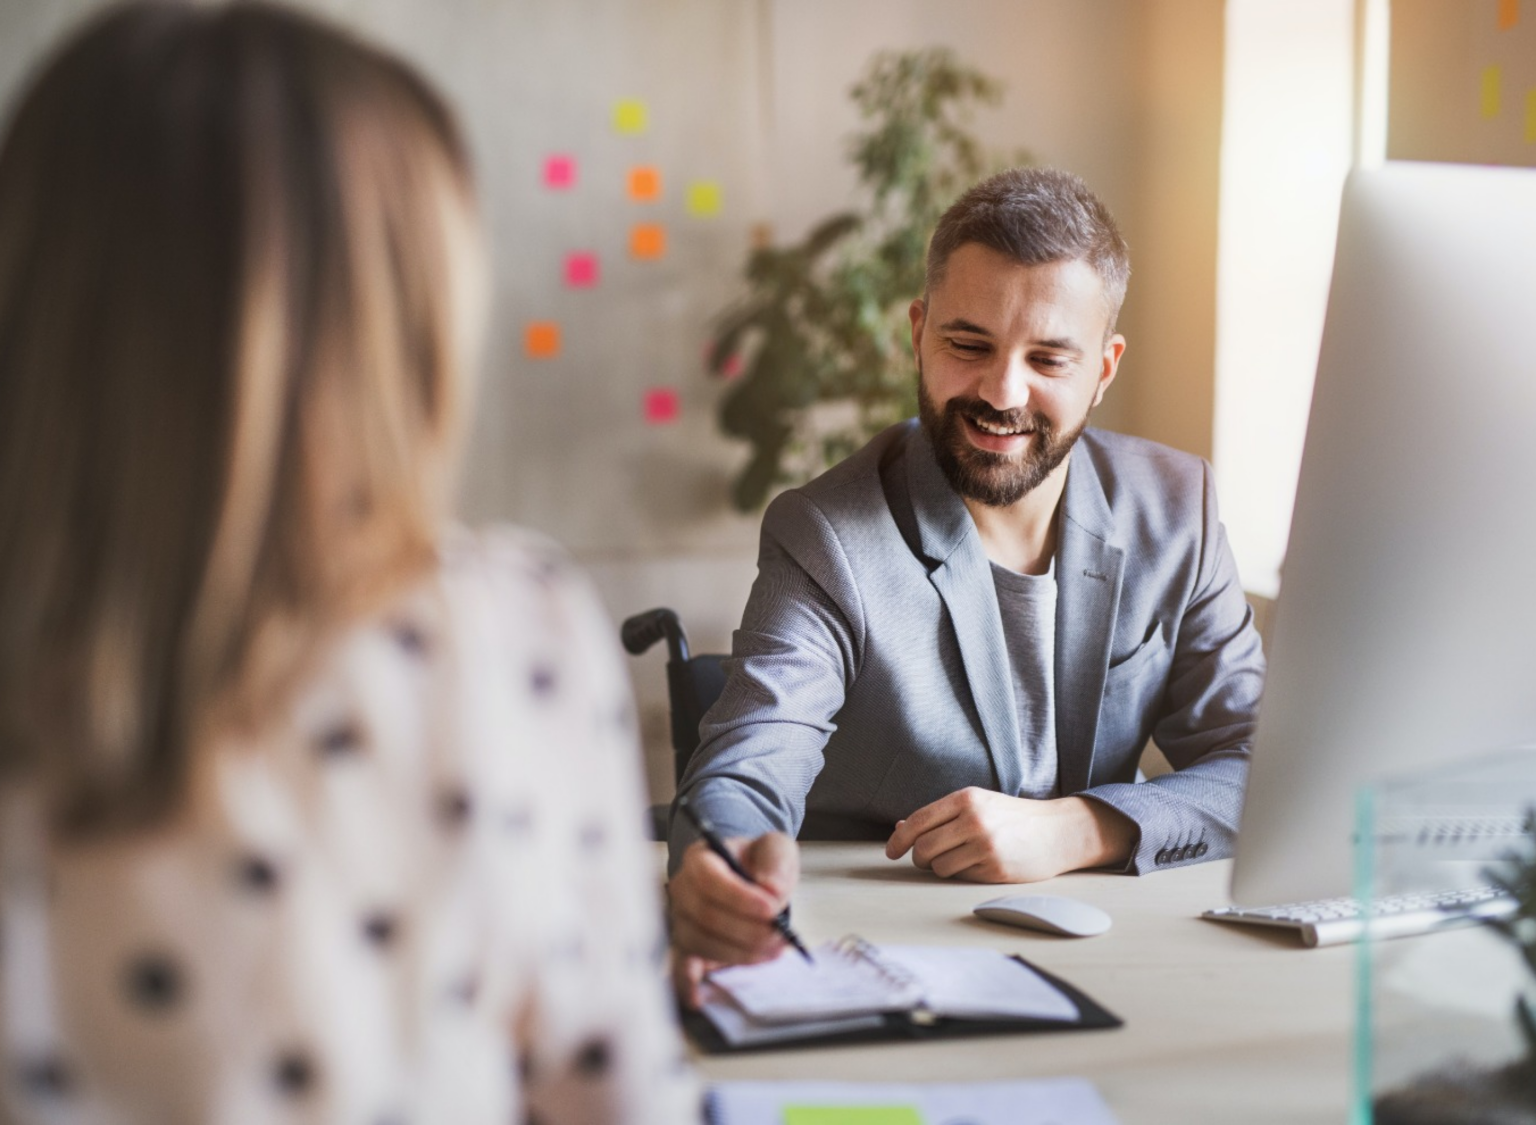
(643, 630)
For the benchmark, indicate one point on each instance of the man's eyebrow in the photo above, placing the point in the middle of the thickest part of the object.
(1065, 344)
(960, 324)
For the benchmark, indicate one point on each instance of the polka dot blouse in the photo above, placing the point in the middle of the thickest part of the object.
(421, 896)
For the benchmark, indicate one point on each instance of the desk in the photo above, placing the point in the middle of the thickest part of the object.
(1222, 1024)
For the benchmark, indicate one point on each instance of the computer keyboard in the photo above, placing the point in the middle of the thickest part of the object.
(1333, 921)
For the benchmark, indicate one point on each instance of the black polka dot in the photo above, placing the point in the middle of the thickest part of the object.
(294, 1073)
(543, 681)
(340, 741)
(454, 807)
(154, 983)
(411, 639)
(518, 820)
(594, 1058)
(44, 1078)
(523, 1062)
(381, 929)
(465, 989)
(257, 874)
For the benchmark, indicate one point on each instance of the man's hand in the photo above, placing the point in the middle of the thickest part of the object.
(717, 918)
(989, 837)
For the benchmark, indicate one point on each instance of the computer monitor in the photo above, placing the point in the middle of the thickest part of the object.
(1405, 633)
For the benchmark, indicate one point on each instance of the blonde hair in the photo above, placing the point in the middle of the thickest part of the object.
(239, 286)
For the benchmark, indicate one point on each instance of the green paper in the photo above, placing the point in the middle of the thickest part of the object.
(851, 1115)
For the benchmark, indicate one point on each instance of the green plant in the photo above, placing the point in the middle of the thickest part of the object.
(823, 327)
(1516, 874)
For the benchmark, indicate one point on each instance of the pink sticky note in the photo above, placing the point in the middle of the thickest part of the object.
(661, 406)
(581, 270)
(560, 173)
(731, 368)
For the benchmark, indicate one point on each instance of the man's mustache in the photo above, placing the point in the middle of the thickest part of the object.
(976, 410)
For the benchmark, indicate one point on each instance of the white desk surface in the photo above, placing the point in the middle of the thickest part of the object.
(1223, 1024)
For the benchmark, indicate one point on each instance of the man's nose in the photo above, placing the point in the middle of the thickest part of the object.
(1006, 385)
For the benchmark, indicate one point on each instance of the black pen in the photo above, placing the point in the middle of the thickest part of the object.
(717, 845)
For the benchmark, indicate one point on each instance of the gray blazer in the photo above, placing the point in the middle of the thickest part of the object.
(870, 674)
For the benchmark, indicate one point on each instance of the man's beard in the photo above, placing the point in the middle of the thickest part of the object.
(994, 479)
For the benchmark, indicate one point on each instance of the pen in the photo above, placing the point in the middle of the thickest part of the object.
(717, 845)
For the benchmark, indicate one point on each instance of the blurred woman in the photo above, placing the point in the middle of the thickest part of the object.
(310, 809)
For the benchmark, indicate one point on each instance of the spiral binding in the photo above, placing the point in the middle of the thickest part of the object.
(856, 948)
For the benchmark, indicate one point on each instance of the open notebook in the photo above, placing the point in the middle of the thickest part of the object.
(854, 990)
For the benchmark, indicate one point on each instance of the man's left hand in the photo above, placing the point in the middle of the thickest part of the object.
(990, 837)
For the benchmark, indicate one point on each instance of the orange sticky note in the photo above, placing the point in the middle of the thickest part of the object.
(1490, 91)
(644, 184)
(647, 240)
(1509, 14)
(541, 339)
(704, 198)
(661, 406)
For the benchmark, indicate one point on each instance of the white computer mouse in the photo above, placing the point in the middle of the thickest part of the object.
(1051, 914)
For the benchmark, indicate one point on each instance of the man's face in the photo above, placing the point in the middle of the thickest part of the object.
(1011, 358)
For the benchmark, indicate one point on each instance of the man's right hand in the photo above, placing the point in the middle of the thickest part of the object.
(718, 918)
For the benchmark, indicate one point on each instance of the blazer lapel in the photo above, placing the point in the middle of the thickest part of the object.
(1088, 572)
(963, 578)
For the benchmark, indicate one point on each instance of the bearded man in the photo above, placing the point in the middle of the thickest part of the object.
(962, 637)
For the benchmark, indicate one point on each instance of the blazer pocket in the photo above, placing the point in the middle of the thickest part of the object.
(1144, 655)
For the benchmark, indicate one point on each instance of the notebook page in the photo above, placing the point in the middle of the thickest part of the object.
(843, 980)
(1038, 1101)
(740, 1030)
(979, 983)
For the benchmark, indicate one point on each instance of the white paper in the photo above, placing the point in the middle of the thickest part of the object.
(979, 983)
(841, 981)
(1038, 1101)
(739, 1029)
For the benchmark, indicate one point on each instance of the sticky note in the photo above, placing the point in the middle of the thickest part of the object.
(647, 241)
(644, 184)
(630, 116)
(560, 173)
(541, 339)
(661, 406)
(1491, 76)
(704, 198)
(732, 367)
(851, 1115)
(1509, 14)
(581, 270)
(1530, 117)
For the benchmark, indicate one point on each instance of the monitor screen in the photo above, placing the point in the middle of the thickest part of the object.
(1405, 634)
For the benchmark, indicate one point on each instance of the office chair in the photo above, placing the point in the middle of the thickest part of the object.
(693, 685)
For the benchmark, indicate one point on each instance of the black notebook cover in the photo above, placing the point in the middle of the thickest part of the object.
(901, 1026)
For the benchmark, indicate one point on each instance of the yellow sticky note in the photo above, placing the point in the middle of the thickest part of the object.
(1530, 117)
(630, 116)
(647, 241)
(704, 198)
(1509, 14)
(851, 1115)
(1491, 79)
(644, 184)
(541, 339)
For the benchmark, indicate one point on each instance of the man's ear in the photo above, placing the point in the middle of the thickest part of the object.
(1114, 348)
(917, 313)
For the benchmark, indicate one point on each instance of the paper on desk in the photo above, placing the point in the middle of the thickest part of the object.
(979, 983)
(739, 1029)
(1036, 1101)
